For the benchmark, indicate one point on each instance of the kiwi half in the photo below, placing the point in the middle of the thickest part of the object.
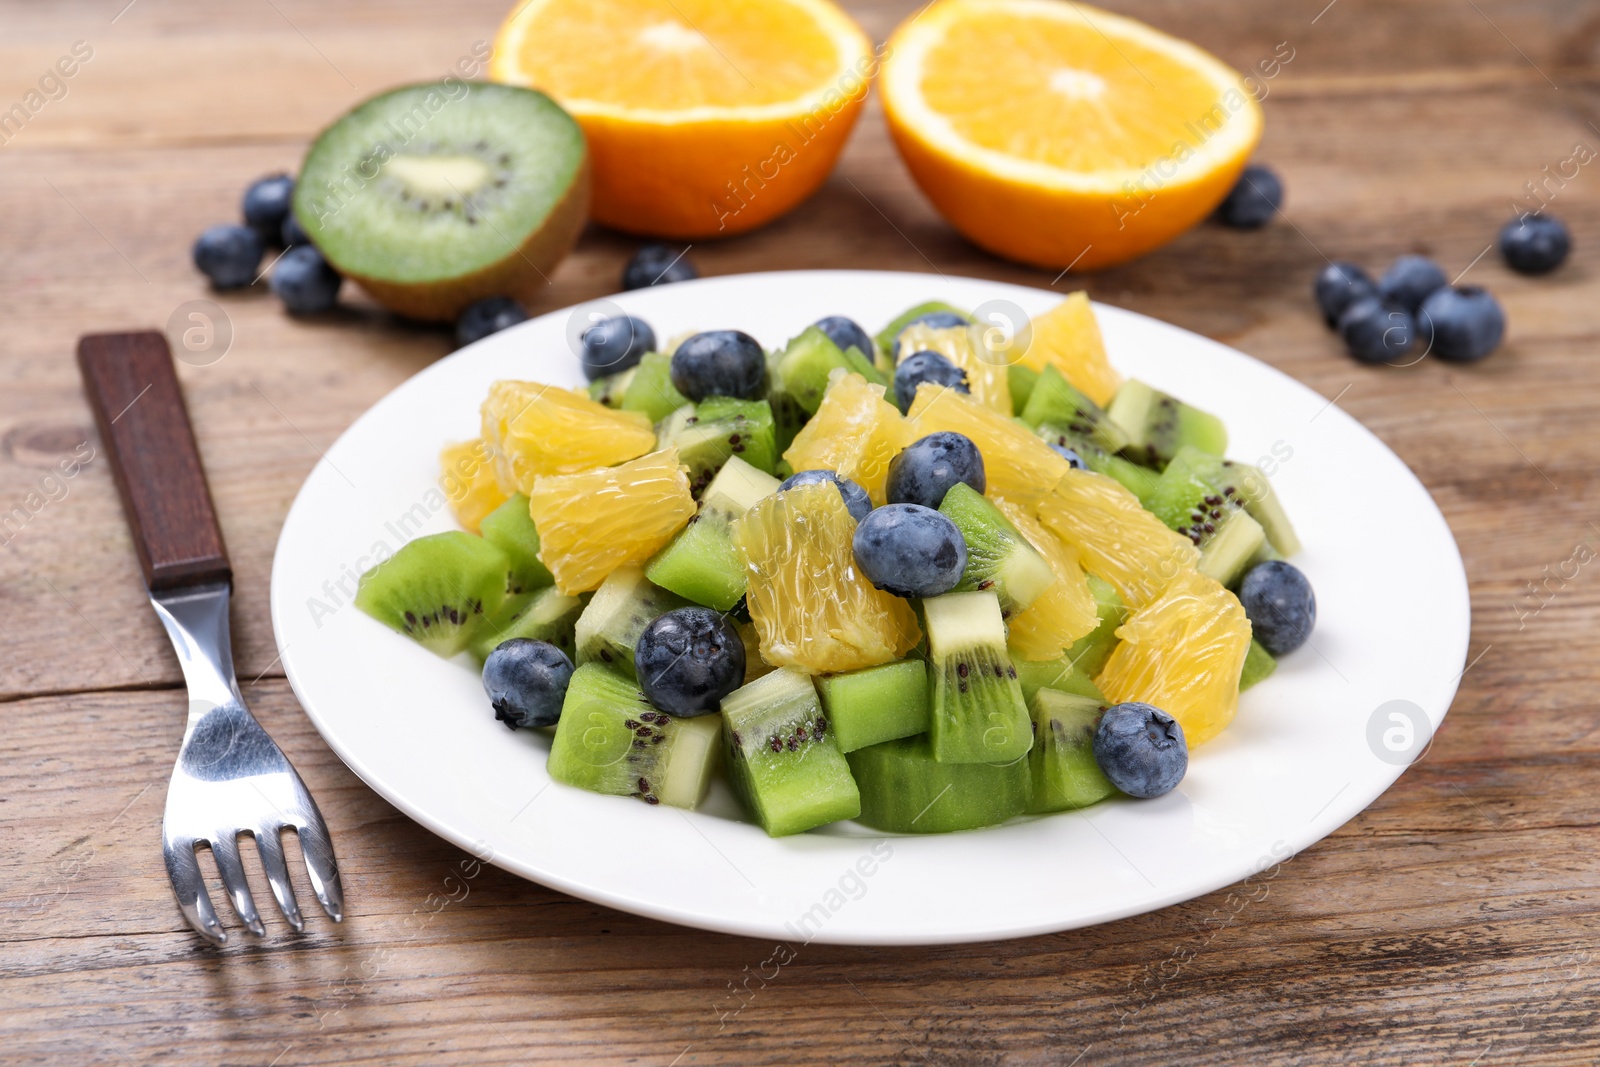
(436, 195)
(437, 590)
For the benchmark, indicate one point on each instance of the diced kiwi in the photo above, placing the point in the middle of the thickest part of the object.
(434, 196)
(700, 563)
(610, 740)
(650, 390)
(1021, 379)
(610, 389)
(876, 704)
(1091, 651)
(1247, 483)
(905, 790)
(1136, 479)
(510, 528)
(998, 556)
(782, 758)
(807, 361)
(1059, 674)
(1065, 774)
(547, 615)
(886, 336)
(437, 589)
(617, 614)
(1212, 516)
(1258, 666)
(708, 433)
(1056, 401)
(977, 714)
(1158, 425)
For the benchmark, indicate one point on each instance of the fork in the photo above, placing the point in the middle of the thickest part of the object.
(231, 779)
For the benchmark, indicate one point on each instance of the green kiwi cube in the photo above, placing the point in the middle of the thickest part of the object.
(610, 740)
(1056, 401)
(547, 615)
(708, 433)
(1062, 765)
(617, 614)
(1188, 498)
(1058, 674)
(437, 590)
(700, 563)
(650, 390)
(886, 336)
(810, 358)
(905, 790)
(510, 528)
(998, 556)
(610, 389)
(1247, 484)
(1021, 379)
(876, 704)
(782, 758)
(1090, 652)
(1157, 425)
(1258, 666)
(977, 714)
(1140, 481)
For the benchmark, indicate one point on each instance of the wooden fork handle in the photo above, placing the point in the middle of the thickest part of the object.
(144, 428)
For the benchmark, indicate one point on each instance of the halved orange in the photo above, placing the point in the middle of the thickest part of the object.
(1059, 134)
(704, 117)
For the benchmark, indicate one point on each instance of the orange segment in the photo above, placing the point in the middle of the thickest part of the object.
(1060, 134)
(703, 117)
(1065, 611)
(812, 609)
(1068, 337)
(986, 374)
(1117, 539)
(1183, 653)
(466, 474)
(855, 433)
(592, 523)
(533, 429)
(1017, 464)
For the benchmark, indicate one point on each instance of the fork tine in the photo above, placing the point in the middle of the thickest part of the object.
(320, 864)
(183, 868)
(270, 845)
(226, 850)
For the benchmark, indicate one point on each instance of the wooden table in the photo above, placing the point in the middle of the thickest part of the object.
(1452, 922)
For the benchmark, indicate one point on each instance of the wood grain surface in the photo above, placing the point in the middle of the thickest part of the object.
(1455, 921)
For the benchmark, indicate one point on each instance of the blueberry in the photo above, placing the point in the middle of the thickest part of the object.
(688, 660)
(1338, 286)
(613, 345)
(658, 265)
(856, 500)
(1409, 280)
(926, 469)
(1535, 244)
(1376, 332)
(1461, 325)
(1074, 460)
(720, 363)
(1280, 605)
(934, 320)
(1254, 199)
(266, 204)
(304, 281)
(489, 315)
(1141, 749)
(846, 332)
(922, 367)
(526, 682)
(910, 550)
(229, 255)
(293, 233)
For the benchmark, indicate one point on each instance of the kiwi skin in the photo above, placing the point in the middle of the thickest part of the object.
(520, 274)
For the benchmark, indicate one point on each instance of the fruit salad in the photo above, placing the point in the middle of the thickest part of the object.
(891, 578)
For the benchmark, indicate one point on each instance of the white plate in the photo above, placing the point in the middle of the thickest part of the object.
(1306, 752)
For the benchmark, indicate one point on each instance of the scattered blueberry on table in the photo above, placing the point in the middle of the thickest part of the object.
(1254, 199)
(1375, 331)
(1535, 244)
(658, 265)
(1339, 285)
(229, 255)
(266, 205)
(1409, 280)
(489, 315)
(304, 282)
(1462, 324)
